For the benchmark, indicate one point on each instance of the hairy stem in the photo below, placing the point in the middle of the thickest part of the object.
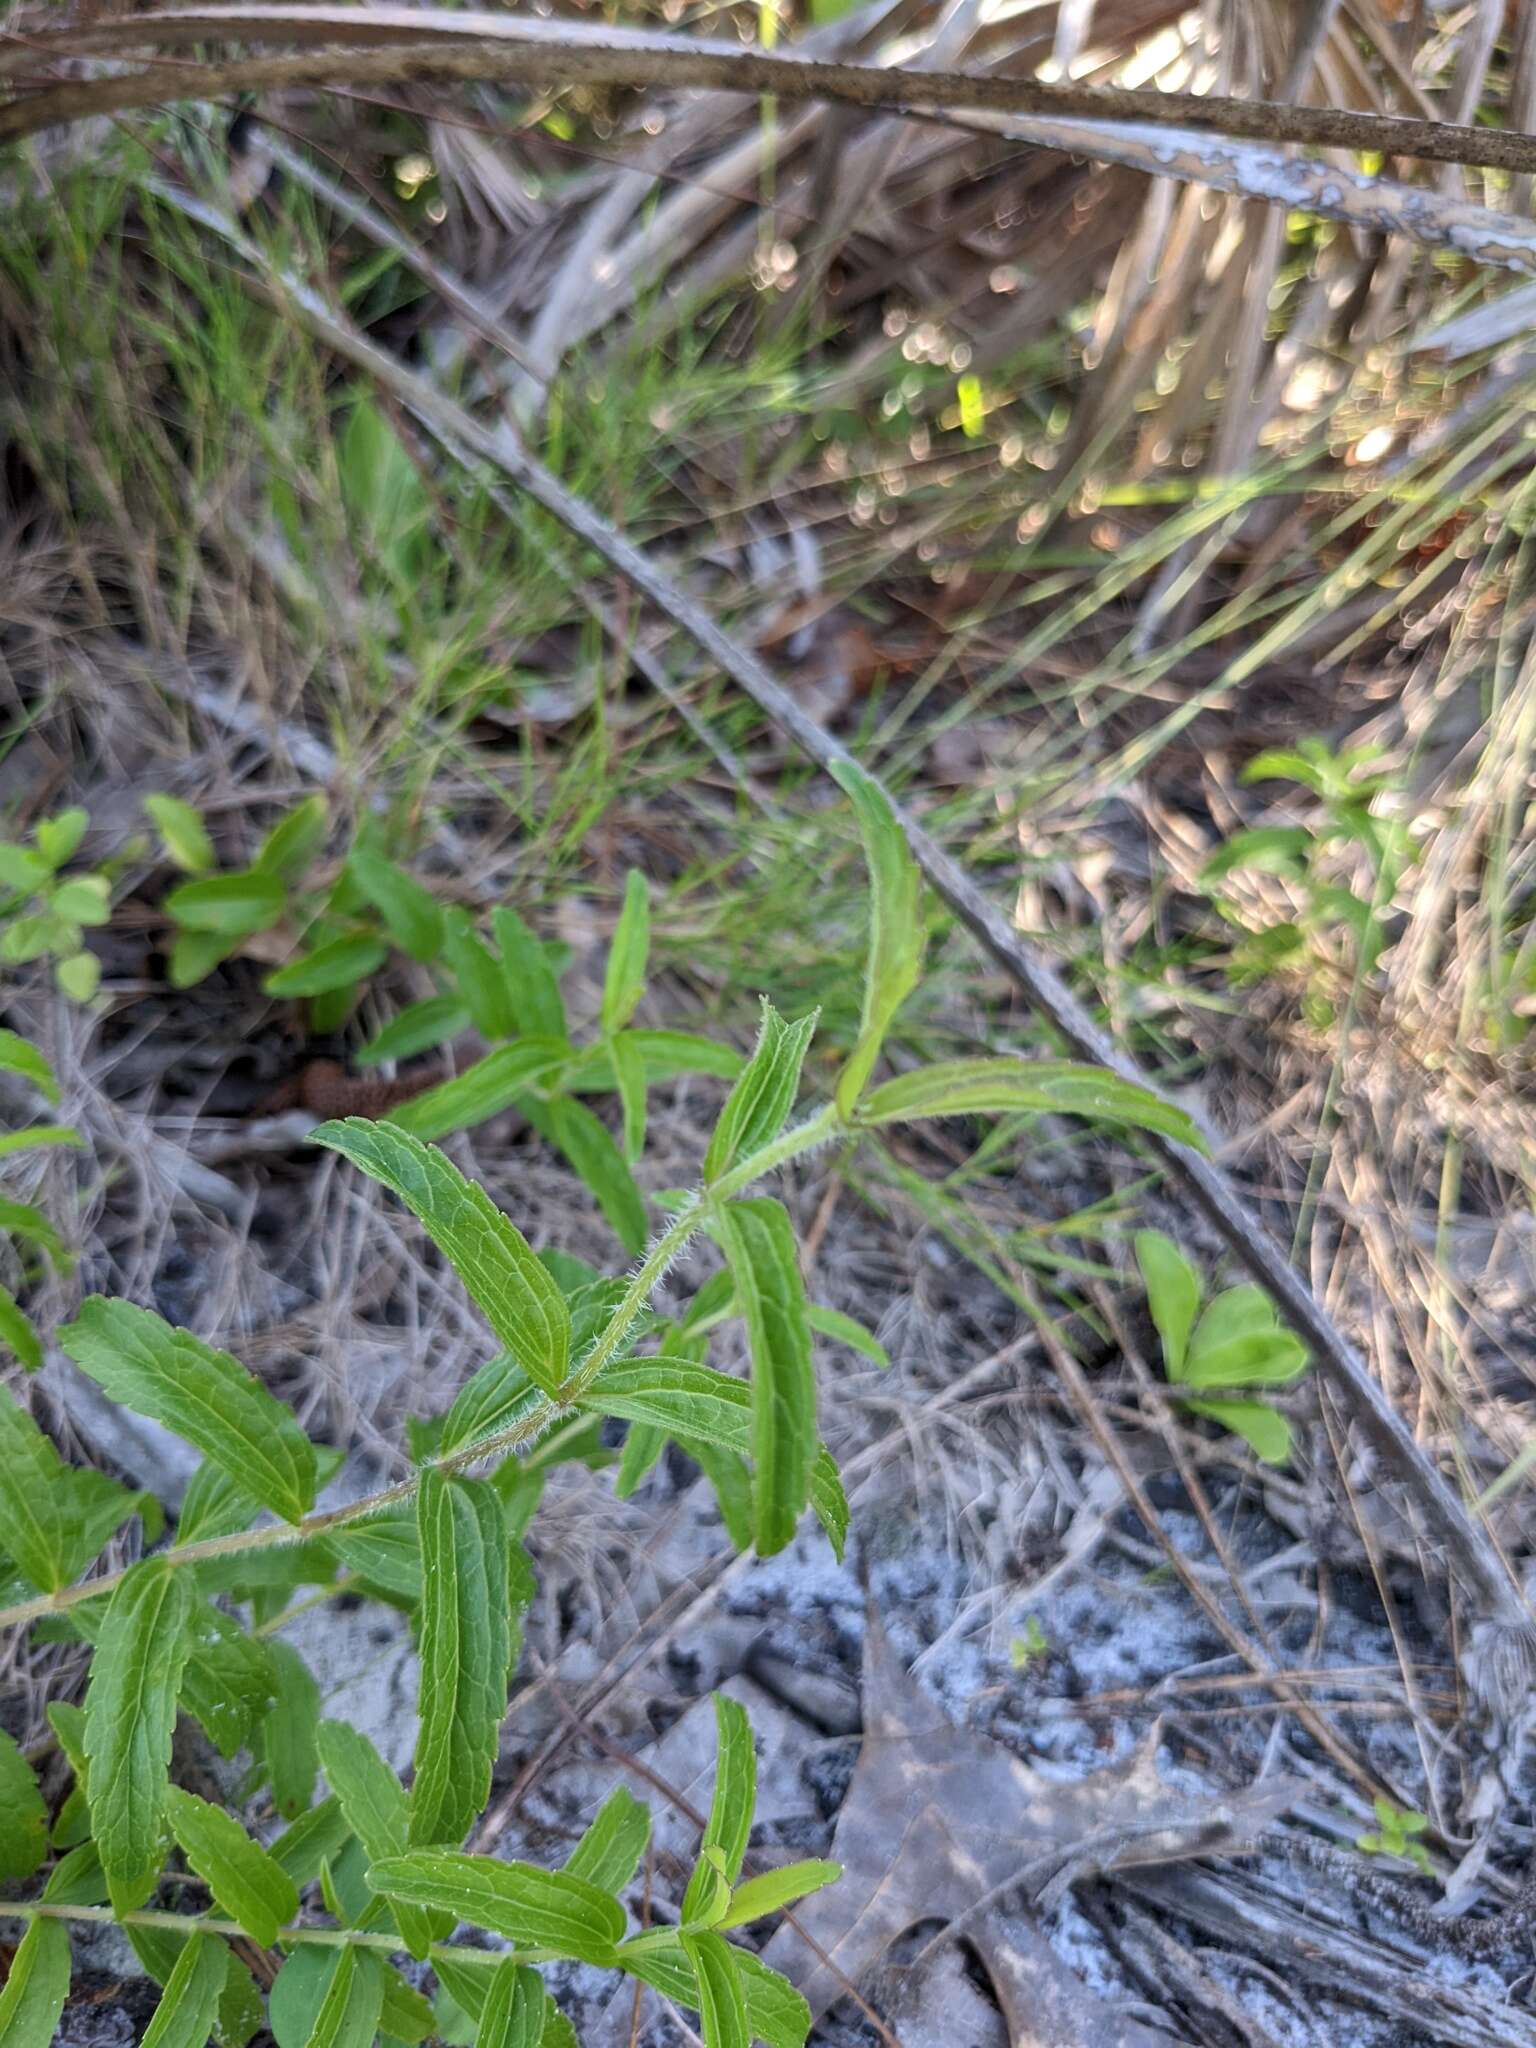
(792, 1144)
(203, 1923)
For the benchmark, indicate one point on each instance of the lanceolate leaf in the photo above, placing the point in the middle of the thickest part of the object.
(624, 980)
(32, 1525)
(895, 928)
(228, 1680)
(776, 2013)
(756, 1107)
(466, 1649)
(829, 1500)
(722, 1997)
(337, 964)
(240, 2004)
(35, 1987)
(349, 2013)
(513, 2013)
(1173, 1295)
(629, 1078)
(230, 906)
(498, 1395)
(513, 1290)
(130, 1710)
(17, 1333)
(189, 2005)
(831, 1322)
(245, 1881)
(482, 1090)
(1003, 1086)
(532, 989)
(23, 1816)
(540, 1909)
(609, 1853)
(19, 1056)
(417, 1028)
(377, 1810)
(676, 1395)
(479, 976)
(412, 913)
(776, 1889)
(201, 1394)
(286, 1736)
(759, 1243)
(735, 1795)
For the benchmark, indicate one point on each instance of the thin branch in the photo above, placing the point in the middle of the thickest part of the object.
(403, 43)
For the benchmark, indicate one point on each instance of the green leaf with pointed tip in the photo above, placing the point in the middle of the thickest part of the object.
(26, 1221)
(512, 1289)
(353, 2003)
(722, 1996)
(495, 1397)
(83, 899)
(624, 979)
(204, 1395)
(466, 1653)
(758, 1240)
(33, 1528)
(77, 1879)
(895, 926)
(285, 1737)
(776, 1889)
(1267, 1431)
(764, 1094)
(412, 914)
(728, 1473)
(512, 2015)
(130, 1711)
(317, 1836)
(1173, 1295)
(247, 1883)
(294, 840)
(643, 1445)
(35, 1136)
(831, 1322)
(182, 833)
(541, 1909)
(483, 1090)
(532, 990)
(194, 956)
(609, 1853)
(629, 1078)
(19, 1056)
(228, 1680)
(58, 838)
(776, 2013)
(377, 1810)
(23, 1816)
(588, 1146)
(35, 1987)
(676, 1395)
(228, 906)
(214, 1504)
(405, 2015)
(1005, 1087)
(735, 1795)
(829, 1500)
(189, 2005)
(240, 2006)
(481, 984)
(78, 976)
(418, 1028)
(340, 964)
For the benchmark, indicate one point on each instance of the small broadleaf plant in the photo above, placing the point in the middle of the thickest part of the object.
(45, 912)
(1395, 1835)
(1235, 1341)
(372, 1869)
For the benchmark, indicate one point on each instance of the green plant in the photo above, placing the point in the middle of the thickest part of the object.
(1394, 1835)
(194, 1627)
(1030, 1647)
(24, 1222)
(44, 912)
(1304, 855)
(1235, 1341)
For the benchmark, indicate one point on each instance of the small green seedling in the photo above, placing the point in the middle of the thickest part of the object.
(44, 913)
(1237, 1341)
(1028, 1648)
(1302, 853)
(1394, 1835)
